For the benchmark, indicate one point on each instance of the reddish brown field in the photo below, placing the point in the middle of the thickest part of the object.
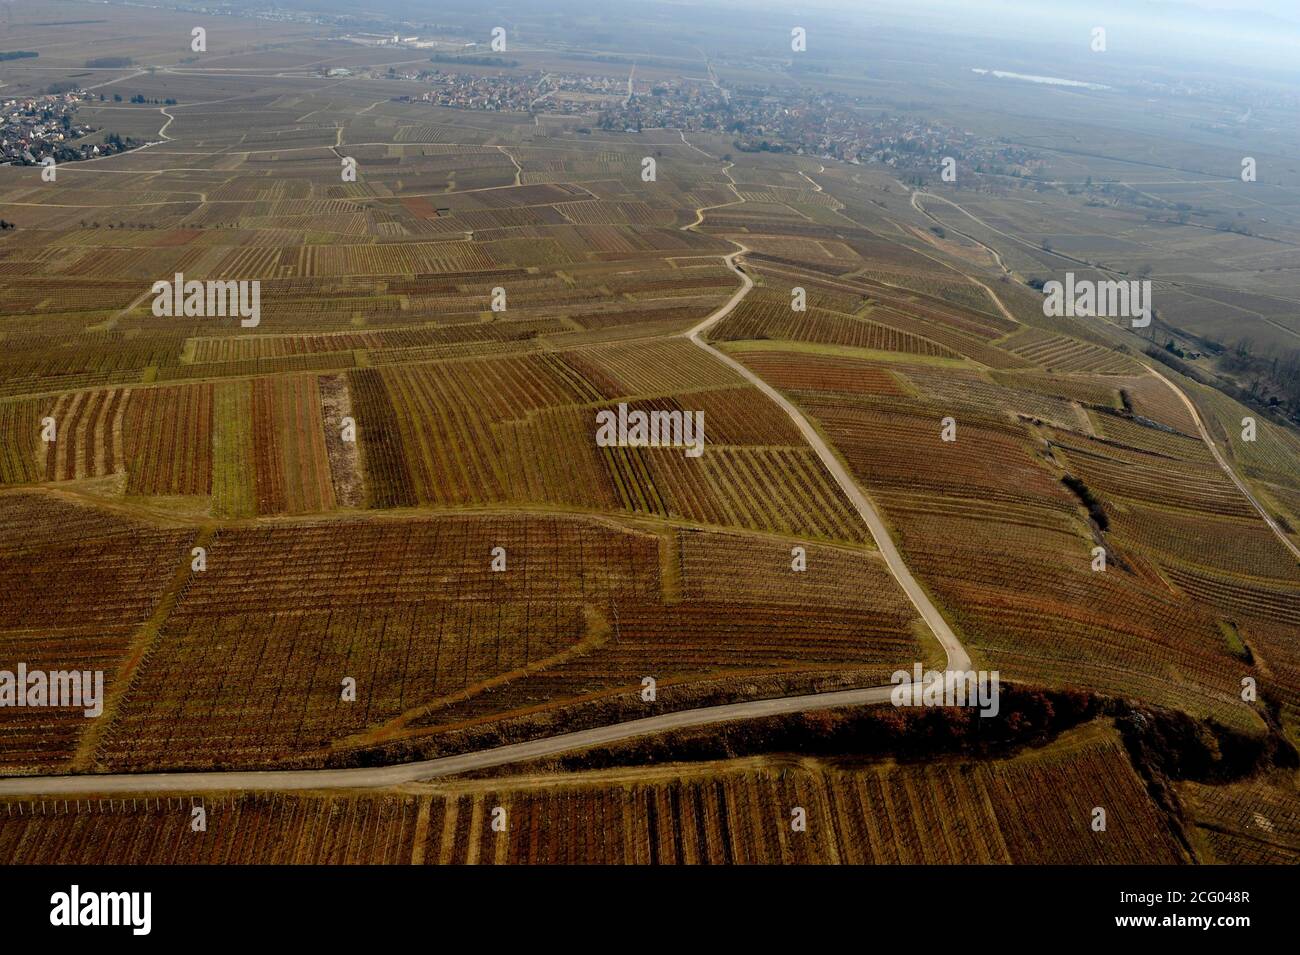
(247, 666)
(737, 812)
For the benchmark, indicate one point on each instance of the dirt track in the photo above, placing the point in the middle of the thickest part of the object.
(382, 776)
(958, 659)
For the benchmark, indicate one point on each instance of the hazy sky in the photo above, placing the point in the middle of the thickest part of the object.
(1285, 9)
(1277, 7)
(1245, 32)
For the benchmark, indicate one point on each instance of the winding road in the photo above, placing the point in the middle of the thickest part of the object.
(958, 659)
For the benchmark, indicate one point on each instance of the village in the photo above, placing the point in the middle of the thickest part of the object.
(34, 128)
(802, 121)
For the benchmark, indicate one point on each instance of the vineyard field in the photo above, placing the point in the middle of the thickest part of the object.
(250, 660)
(738, 812)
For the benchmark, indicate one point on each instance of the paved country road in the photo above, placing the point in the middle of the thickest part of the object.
(381, 776)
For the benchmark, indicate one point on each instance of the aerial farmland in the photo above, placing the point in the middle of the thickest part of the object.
(612, 445)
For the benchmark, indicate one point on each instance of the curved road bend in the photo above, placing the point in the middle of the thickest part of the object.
(1227, 468)
(958, 659)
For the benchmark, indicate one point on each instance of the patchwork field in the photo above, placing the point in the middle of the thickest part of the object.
(1194, 582)
(243, 663)
(368, 514)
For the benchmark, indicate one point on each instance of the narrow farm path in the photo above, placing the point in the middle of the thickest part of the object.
(958, 658)
(382, 776)
(141, 643)
(1227, 468)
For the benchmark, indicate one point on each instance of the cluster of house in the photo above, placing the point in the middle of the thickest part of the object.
(511, 92)
(829, 125)
(535, 91)
(34, 127)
